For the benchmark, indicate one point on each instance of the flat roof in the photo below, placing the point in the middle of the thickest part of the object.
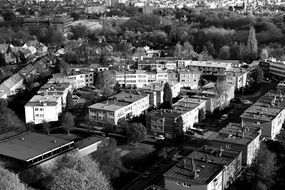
(184, 171)
(208, 64)
(89, 141)
(164, 113)
(233, 133)
(55, 86)
(30, 145)
(47, 100)
(259, 112)
(128, 97)
(109, 105)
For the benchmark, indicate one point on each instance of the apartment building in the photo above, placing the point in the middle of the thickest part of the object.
(122, 105)
(78, 79)
(156, 91)
(194, 174)
(231, 160)
(189, 78)
(238, 137)
(273, 67)
(60, 89)
(268, 113)
(207, 67)
(43, 108)
(161, 63)
(165, 122)
(237, 77)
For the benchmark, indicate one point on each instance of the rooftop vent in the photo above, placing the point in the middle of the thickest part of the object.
(22, 139)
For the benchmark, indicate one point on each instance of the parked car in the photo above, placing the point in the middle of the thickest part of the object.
(159, 137)
(146, 175)
(247, 102)
(225, 116)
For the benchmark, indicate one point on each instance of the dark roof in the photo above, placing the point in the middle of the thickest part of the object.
(30, 145)
(184, 171)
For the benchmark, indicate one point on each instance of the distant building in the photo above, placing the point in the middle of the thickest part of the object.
(194, 174)
(119, 106)
(31, 148)
(61, 23)
(273, 67)
(147, 9)
(238, 137)
(95, 9)
(44, 108)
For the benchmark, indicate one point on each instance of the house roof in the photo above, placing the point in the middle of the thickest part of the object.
(48, 100)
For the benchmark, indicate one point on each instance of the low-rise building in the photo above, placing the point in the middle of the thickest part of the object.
(231, 160)
(189, 78)
(122, 105)
(166, 122)
(237, 77)
(31, 148)
(12, 85)
(194, 174)
(273, 67)
(44, 108)
(207, 67)
(60, 89)
(238, 137)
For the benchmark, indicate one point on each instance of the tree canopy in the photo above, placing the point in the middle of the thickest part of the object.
(167, 95)
(67, 122)
(135, 133)
(69, 101)
(9, 180)
(74, 172)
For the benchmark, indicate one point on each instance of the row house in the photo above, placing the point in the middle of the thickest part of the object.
(119, 106)
(43, 108)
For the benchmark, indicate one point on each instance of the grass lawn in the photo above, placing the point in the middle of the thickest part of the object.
(136, 152)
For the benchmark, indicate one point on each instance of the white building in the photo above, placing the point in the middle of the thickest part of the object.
(43, 108)
(122, 105)
(60, 89)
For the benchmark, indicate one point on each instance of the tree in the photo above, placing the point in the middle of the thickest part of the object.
(67, 122)
(9, 180)
(77, 173)
(46, 127)
(252, 44)
(79, 32)
(264, 54)
(117, 87)
(235, 51)
(135, 133)
(264, 168)
(3, 116)
(177, 50)
(167, 95)
(105, 81)
(178, 127)
(108, 158)
(202, 115)
(255, 77)
(69, 101)
(224, 52)
(9, 16)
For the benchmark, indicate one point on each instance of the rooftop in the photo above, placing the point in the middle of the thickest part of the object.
(109, 105)
(47, 100)
(235, 134)
(214, 155)
(29, 145)
(185, 170)
(55, 86)
(88, 141)
(259, 111)
(164, 114)
(128, 97)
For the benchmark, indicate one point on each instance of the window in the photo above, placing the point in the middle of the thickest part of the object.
(179, 183)
(37, 115)
(36, 109)
(185, 184)
(228, 146)
(41, 109)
